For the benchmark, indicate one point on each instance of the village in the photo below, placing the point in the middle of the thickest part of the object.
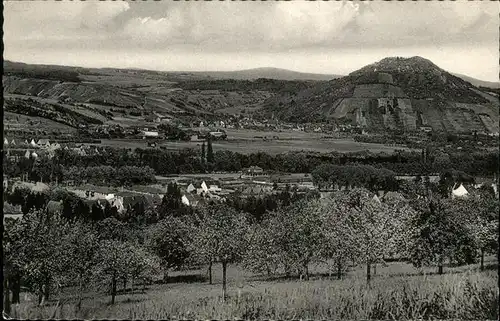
(196, 190)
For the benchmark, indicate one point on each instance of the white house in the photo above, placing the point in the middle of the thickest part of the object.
(495, 189)
(150, 134)
(191, 188)
(459, 192)
(185, 200)
(204, 187)
(215, 189)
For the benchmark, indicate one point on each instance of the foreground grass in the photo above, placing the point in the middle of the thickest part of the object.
(462, 294)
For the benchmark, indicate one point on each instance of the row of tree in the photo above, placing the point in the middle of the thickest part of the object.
(344, 230)
(190, 161)
(348, 176)
(108, 175)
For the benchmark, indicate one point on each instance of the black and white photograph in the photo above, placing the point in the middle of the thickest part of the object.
(250, 160)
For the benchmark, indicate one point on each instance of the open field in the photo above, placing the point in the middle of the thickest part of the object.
(247, 144)
(398, 291)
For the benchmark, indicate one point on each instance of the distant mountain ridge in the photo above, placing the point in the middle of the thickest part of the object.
(478, 82)
(266, 72)
(246, 74)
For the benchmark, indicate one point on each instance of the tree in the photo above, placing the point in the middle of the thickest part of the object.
(482, 216)
(303, 235)
(13, 261)
(288, 238)
(219, 235)
(81, 245)
(171, 203)
(203, 157)
(440, 232)
(168, 240)
(262, 255)
(210, 151)
(143, 265)
(41, 251)
(340, 236)
(113, 261)
(369, 229)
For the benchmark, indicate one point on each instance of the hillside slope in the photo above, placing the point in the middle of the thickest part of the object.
(394, 93)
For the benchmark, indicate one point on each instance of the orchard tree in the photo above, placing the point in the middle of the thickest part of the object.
(302, 237)
(340, 236)
(375, 226)
(262, 255)
(81, 245)
(481, 215)
(143, 265)
(440, 232)
(220, 236)
(13, 261)
(42, 251)
(113, 262)
(168, 240)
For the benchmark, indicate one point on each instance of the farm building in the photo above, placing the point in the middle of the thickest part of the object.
(150, 134)
(253, 170)
(185, 200)
(459, 192)
(218, 135)
(191, 188)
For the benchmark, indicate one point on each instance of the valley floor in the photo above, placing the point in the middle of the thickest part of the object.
(247, 146)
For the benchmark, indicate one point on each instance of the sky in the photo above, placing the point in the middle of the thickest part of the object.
(318, 37)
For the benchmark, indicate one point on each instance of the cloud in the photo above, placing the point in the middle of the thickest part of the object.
(238, 32)
(58, 21)
(286, 25)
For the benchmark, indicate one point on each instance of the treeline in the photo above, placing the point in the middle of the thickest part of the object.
(349, 176)
(192, 161)
(119, 176)
(257, 206)
(44, 169)
(348, 229)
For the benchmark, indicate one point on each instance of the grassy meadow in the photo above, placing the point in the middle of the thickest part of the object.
(398, 291)
(245, 143)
